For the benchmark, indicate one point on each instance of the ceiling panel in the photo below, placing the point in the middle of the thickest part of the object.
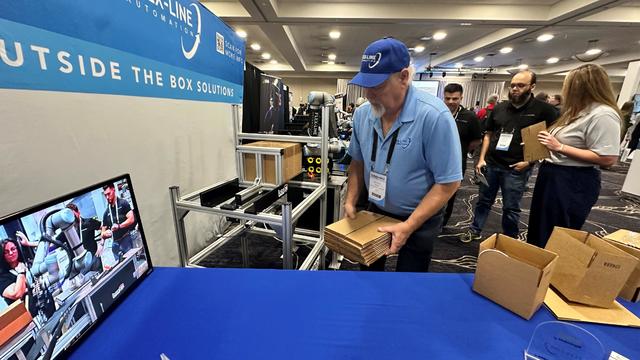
(567, 42)
(315, 44)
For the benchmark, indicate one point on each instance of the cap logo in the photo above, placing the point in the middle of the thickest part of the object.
(373, 60)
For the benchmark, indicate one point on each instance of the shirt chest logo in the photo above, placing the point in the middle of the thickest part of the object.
(404, 143)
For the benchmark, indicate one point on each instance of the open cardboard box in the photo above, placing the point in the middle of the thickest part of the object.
(629, 242)
(12, 320)
(291, 162)
(513, 274)
(590, 270)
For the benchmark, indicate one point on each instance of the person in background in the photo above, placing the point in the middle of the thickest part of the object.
(117, 222)
(556, 102)
(502, 157)
(468, 130)
(585, 137)
(351, 107)
(405, 152)
(626, 110)
(15, 279)
(542, 96)
(486, 111)
(477, 107)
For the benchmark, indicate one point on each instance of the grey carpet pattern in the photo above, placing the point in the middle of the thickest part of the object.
(612, 212)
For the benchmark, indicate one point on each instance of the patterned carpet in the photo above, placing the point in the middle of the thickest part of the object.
(611, 212)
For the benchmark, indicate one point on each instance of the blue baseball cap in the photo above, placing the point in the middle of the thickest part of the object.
(381, 59)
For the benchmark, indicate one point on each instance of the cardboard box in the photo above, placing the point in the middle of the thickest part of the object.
(629, 242)
(12, 320)
(291, 162)
(590, 270)
(359, 239)
(565, 310)
(533, 150)
(513, 274)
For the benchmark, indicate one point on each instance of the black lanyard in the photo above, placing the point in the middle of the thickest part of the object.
(392, 146)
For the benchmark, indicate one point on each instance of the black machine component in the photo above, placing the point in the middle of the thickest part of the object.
(218, 194)
(267, 200)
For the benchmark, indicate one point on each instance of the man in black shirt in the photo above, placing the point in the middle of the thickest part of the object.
(468, 130)
(501, 158)
(117, 222)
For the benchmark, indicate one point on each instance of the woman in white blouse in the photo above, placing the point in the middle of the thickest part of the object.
(584, 138)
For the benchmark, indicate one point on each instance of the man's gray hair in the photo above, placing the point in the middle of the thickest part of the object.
(492, 99)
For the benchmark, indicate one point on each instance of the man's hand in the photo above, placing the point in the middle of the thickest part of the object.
(520, 166)
(115, 227)
(350, 211)
(481, 163)
(399, 235)
(108, 234)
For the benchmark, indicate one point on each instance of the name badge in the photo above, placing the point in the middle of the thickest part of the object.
(504, 141)
(377, 186)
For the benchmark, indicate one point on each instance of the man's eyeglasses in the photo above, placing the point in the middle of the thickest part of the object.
(519, 85)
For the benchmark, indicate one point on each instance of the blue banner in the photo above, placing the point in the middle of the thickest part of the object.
(156, 48)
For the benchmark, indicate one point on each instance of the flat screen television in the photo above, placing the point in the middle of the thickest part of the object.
(429, 86)
(65, 264)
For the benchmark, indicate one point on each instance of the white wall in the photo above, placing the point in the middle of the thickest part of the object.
(54, 143)
(300, 87)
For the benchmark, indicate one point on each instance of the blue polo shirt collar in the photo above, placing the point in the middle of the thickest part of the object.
(406, 114)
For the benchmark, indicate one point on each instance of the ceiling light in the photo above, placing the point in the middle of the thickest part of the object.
(274, 61)
(506, 50)
(552, 60)
(419, 49)
(266, 56)
(523, 66)
(332, 56)
(478, 58)
(459, 65)
(331, 62)
(439, 35)
(466, 24)
(256, 46)
(425, 38)
(545, 37)
(241, 33)
(593, 51)
(335, 34)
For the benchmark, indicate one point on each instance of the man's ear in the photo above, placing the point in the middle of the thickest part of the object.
(533, 87)
(404, 76)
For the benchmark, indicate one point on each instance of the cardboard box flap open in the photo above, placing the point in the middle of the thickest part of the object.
(524, 252)
(566, 310)
(509, 269)
(346, 226)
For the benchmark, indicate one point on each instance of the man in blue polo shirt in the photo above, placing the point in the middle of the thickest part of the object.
(406, 153)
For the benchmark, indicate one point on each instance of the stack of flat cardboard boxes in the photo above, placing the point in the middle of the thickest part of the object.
(359, 239)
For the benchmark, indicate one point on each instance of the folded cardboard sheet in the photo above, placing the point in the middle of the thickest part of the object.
(359, 239)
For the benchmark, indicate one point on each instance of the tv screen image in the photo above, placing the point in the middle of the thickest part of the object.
(64, 264)
(429, 86)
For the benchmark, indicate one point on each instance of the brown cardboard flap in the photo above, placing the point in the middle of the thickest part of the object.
(533, 150)
(524, 252)
(346, 226)
(576, 255)
(626, 237)
(508, 282)
(563, 309)
(12, 320)
(370, 233)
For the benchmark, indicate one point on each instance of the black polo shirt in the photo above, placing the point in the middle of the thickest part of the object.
(468, 129)
(509, 119)
(117, 214)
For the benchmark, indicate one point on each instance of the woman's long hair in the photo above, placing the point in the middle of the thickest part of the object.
(584, 86)
(4, 265)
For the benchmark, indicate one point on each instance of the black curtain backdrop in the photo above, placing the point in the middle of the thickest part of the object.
(251, 99)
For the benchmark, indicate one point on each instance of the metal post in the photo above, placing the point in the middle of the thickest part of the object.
(323, 220)
(236, 142)
(326, 111)
(244, 245)
(287, 237)
(178, 221)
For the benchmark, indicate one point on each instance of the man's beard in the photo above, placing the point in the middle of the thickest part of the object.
(519, 99)
(378, 110)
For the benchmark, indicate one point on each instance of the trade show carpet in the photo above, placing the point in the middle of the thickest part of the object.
(612, 212)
